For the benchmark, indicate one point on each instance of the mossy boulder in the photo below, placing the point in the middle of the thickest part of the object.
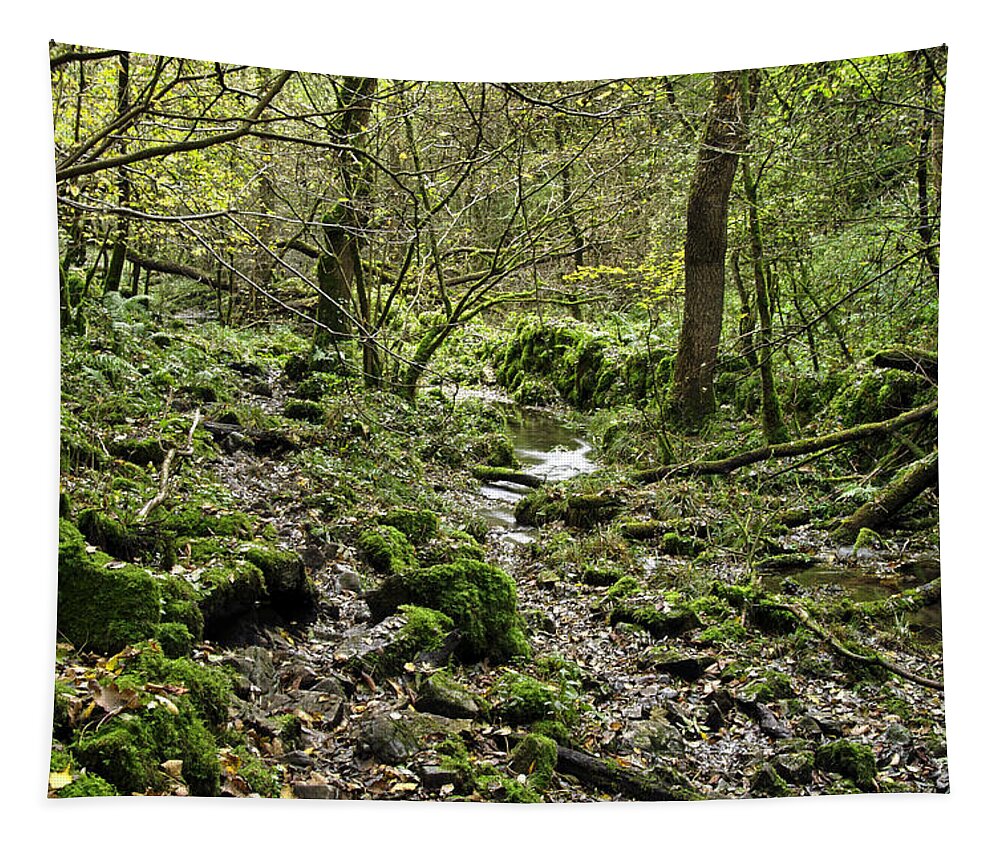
(535, 756)
(305, 410)
(289, 589)
(854, 761)
(658, 623)
(876, 394)
(480, 598)
(102, 608)
(601, 576)
(386, 549)
(230, 590)
(440, 694)
(419, 525)
(522, 699)
(195, 522)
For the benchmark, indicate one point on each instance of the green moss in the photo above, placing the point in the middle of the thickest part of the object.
(730, 631)
(774, 685)
(679, 545)
(100, 608)
(878, 394)
(387, 549)
(179, 604)
(230, 590)
(425, 630)
(535, 756)
(208, 688)
(194, 522)
(522, 699)
(555, 730)
(854, 761)
(657, 623)
(260, 777)
(140, 451)
(419, 525)
(87, 786)
(175, 639)
(481, 599)
(601, 576)
(624, 587)
(304, 409)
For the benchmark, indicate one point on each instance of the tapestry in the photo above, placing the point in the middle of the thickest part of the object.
(534, 442)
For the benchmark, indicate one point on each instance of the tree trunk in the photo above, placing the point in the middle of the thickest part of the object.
(113, 278)
(692, 395)
(788, 450)
(774, 428)
(905, 486)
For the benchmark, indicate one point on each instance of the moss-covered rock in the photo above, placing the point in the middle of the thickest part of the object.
(102, 608)
(386, 549)
(535, 756)
(523, 699)
(601, 576)
(306, 410)
(194, 522)
(656, 622)
(230, 590)
(480, 598)
(853, 760)
(440, 694)
(288, 587)
(419, 525)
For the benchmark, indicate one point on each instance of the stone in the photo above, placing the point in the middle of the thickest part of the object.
(393, 737)
(441, 695)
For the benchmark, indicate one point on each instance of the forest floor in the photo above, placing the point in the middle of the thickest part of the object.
(663, 656)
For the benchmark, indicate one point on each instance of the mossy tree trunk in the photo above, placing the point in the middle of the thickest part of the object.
(774, 428)
(340, 270)
(905, 486)
(692, 396)
(113, 276)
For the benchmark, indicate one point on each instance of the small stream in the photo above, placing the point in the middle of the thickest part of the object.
(546, 447)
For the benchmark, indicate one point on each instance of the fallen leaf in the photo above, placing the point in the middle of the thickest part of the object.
(60, 779)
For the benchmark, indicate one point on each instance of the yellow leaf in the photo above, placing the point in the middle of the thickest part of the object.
(287, 791)
(59, 779)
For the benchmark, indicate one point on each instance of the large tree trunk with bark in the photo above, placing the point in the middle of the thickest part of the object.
(692, 395)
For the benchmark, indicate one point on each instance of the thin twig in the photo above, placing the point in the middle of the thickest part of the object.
(165, 470)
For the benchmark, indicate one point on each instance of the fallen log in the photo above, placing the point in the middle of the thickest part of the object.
(617, 779)
(787, 450)
(873, 659)
(505, 474)
(909, 360)
(169, 267)
(905, 486)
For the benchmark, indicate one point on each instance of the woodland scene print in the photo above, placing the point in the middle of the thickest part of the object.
(498, 442)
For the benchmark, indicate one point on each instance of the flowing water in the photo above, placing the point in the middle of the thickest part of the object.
(545, 447)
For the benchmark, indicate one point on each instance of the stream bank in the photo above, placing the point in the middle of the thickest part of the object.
(651, 645)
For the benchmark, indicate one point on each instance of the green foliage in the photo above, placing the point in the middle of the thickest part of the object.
(855, 761)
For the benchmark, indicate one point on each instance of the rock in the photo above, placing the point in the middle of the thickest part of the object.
(441, 695)
(794, 761)
(535, 756)
(257, 665)
(315, 791)
(657, 623)
(383, 649)
(852, 760)
(687, 667)
(348, 580)
(393, 737)
(436, 776)
(654, 735)
(768, 784)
